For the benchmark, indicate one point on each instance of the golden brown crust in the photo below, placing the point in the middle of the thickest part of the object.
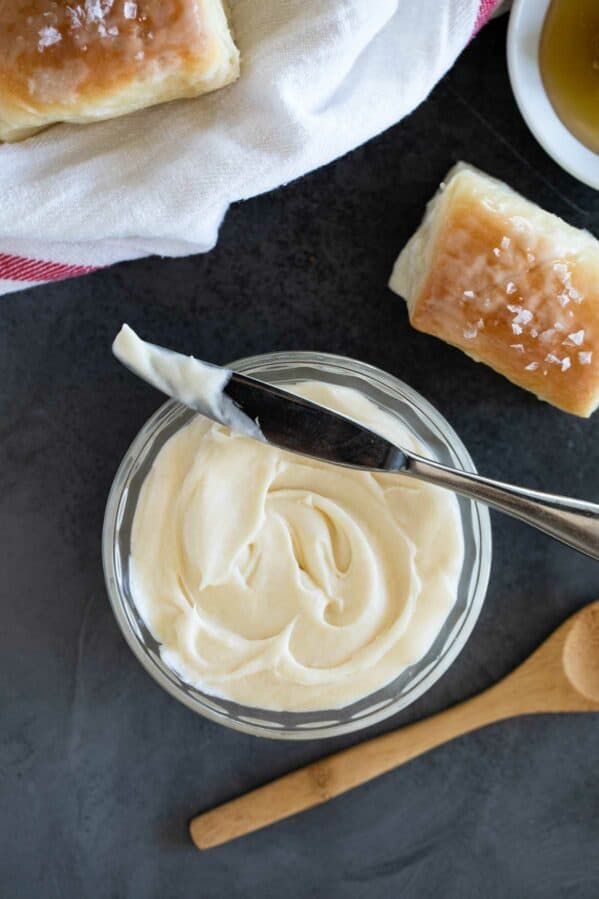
(512, 286)
(100, 58)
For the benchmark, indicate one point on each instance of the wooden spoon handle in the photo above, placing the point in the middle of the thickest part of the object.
(344, 770)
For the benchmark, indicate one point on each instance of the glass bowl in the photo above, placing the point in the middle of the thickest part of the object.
(439, 440)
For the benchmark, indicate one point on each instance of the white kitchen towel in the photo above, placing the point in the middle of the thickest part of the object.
(319, 77)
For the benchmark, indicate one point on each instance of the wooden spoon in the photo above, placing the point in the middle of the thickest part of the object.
(561, 676)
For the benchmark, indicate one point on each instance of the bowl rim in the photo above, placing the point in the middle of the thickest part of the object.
(523, 39)
(483, 558)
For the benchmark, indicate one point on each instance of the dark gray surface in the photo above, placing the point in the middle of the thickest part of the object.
(101, 769)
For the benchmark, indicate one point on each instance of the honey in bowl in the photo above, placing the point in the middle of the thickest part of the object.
(569, 60)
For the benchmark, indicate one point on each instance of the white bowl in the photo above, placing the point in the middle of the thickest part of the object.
(523, 41)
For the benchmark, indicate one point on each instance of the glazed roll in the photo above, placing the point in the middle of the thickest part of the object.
(82, 62)
(508, 283)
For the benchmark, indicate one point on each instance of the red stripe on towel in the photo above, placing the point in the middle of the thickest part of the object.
(485, 10)
(20, 268)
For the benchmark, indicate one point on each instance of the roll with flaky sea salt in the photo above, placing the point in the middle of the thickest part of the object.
(509, 284)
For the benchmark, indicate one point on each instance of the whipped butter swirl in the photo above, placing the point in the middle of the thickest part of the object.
(285, 583)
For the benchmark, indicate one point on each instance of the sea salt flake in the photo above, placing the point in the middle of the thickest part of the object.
(470, 332)
(517, 346)
(563, 274)
(553, 359)
(505, 243)
(532, 366)
(563, 299)
(516, 328)
(496, 251)
(585, 358)
(566, 363)
(75, 14)
(514, 308)
(558, 326)
(130, 9)
(47, 37)
(520, 224)
(534, 332)
(574, 295)
(510, 287)
(113, 31)
(95, 10)
(575, 339)
(547, 335)
(469, 294)
(523, 317)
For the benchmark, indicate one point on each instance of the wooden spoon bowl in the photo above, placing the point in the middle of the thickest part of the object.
(562, 675)
(581, 653)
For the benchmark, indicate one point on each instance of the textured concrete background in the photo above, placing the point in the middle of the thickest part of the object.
(100, 770)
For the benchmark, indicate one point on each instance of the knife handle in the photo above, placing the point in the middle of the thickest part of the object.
(571, 521)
